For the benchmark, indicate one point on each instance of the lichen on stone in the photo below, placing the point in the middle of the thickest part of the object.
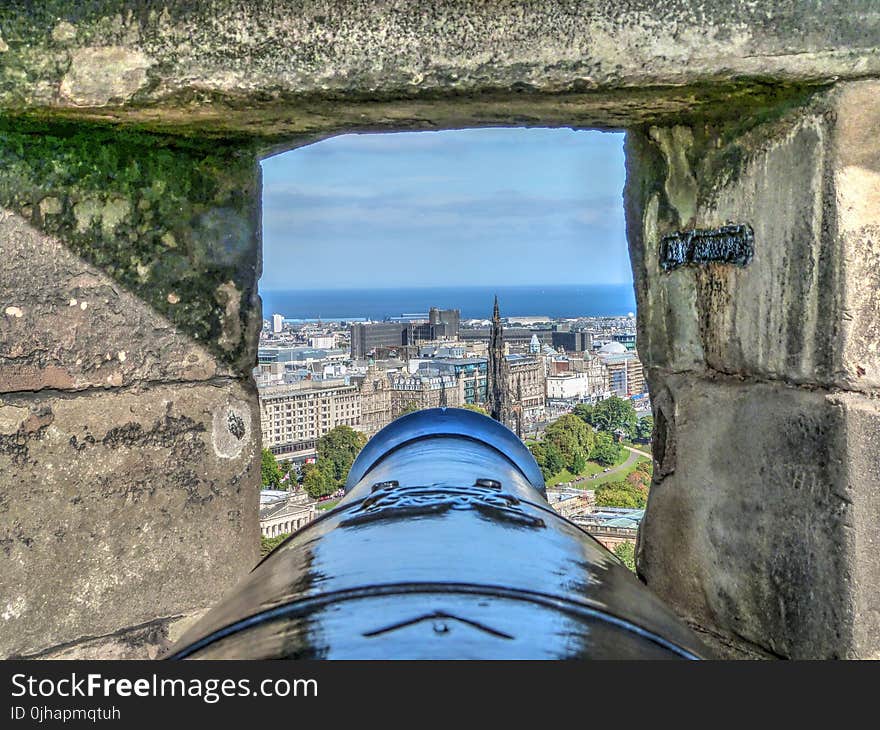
(174, 221)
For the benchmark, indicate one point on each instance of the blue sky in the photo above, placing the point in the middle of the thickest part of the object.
(455, 208)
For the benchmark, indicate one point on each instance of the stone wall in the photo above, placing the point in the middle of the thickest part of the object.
(128, 422)
(129, 233)
(761, 525)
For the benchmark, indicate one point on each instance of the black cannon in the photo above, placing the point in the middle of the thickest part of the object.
(444, 547)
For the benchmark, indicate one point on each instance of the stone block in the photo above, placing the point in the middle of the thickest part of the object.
(119, 509)
(66, 325)
(806, 308)
(761, 522)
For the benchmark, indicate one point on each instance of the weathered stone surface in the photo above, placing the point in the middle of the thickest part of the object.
(855, 161)
(787, 315)
(175, 223)
(98, 76)
(121, 508)
(863, 463)
(290, 66)
(69, 326)
(148, 641)
(762, 523)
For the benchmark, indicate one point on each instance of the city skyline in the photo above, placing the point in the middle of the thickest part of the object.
(459, 208)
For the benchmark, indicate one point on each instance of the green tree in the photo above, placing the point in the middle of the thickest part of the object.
(270, 472)
(626, 552)
(630, 493)
(584, 411)
(613, 414)
(579, 464)
(572, 437)
(540, 454)
(608, 497)
(268, 544)
(318, 481)
(645, 428)
(554, 462)
(606, 451)
(337, 450)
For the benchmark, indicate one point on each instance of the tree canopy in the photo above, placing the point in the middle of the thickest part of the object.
(574, 439)
(337, 450)
(645, 428)
(606, 451)
(626, 551)
(270, 472)
(318, 481)
(614, 414)
(631, 492)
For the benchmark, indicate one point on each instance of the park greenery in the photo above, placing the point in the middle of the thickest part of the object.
(631, 491)
(268, 544)
(589, 438)
(270, 473)
(337, 450)
(626, 551)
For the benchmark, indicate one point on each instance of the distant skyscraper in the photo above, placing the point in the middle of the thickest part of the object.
(277, 323)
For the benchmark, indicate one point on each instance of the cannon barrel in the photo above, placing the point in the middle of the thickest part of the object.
(444, 547)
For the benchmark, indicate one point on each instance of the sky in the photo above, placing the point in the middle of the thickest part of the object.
(454, 208)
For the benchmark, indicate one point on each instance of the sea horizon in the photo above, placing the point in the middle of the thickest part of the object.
(555, 301)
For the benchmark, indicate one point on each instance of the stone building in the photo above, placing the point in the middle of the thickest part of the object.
(293, 417)
(285, 515)
(415, 392)
(374, 393)
(526, 386)
(625, 374)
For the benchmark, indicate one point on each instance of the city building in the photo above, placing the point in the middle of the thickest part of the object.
(293, 417)
(322, 342)
(627, 339)
(277, 323)
(366, 338)
(284, 512)
(526, 386)
(415, 392)
(449, 318)
(374, 391)
(572, 341)
(612, 525)
(577, 379)
(625, 371)
(472, 371)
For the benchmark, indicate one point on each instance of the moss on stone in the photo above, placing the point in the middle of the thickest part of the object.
(172, 220)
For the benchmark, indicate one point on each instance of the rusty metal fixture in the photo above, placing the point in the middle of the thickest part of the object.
(444, 547)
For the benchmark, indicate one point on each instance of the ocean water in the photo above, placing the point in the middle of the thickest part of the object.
(474, 302)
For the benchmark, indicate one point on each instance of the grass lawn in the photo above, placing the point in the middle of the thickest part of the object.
(329, 504)
(617, 476)
(593, 468)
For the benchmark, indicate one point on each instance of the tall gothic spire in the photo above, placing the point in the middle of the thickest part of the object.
(497, 385)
